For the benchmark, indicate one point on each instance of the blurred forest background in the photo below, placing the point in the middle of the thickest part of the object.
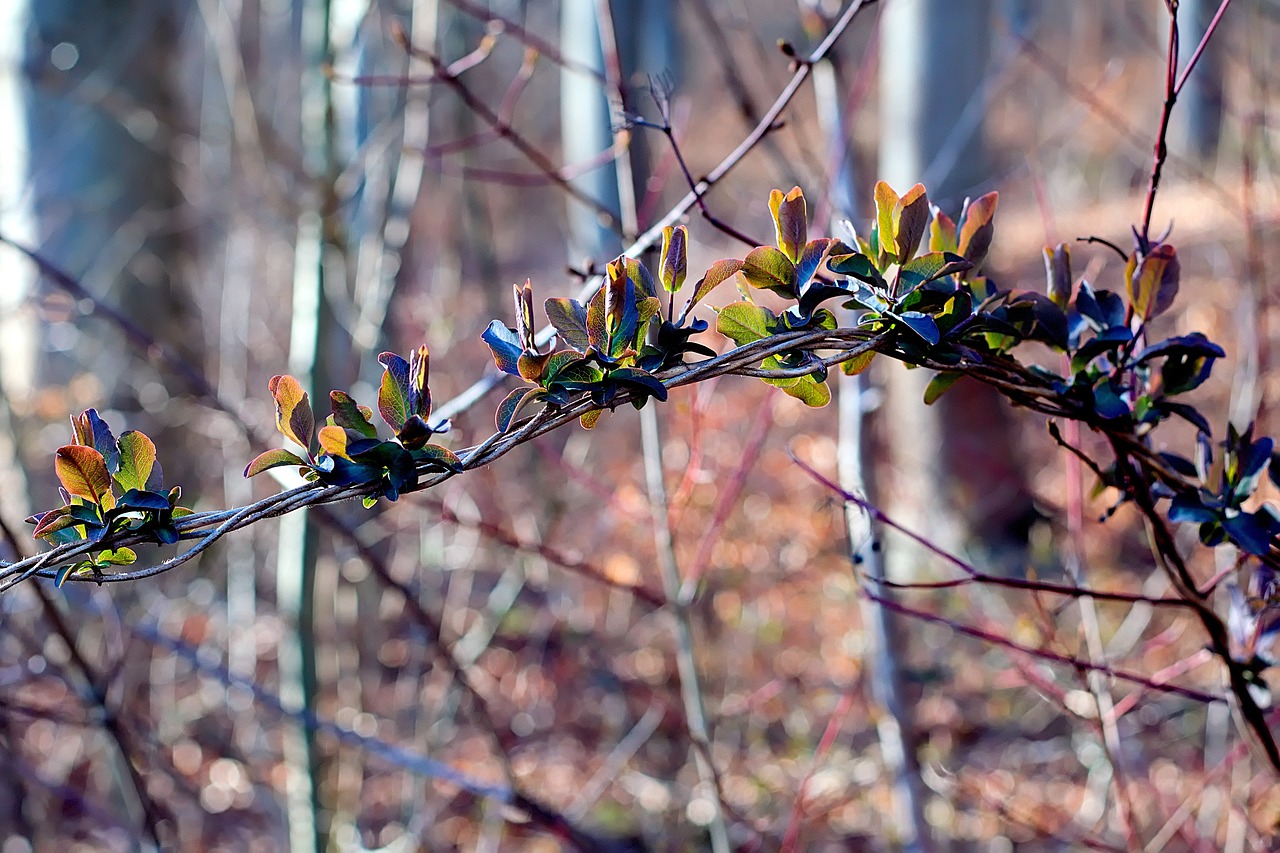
(210, 192)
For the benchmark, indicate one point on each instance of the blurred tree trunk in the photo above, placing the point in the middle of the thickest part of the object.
(953, 473)
(102, 117)
(1197, 122)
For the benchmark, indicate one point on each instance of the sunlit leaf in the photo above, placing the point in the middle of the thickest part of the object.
(673, 266)
(886, 203)
(293, 410)
(569, 317)
(590, 419)
(349, 415)
(525, 328)
(333, 440)
(942, 233)
(720, 272)
(767, 268)
(978, 228)
(443, 457)
(419, 376)
(92, 431)
(137, 458)
(858, 363)
(745, 322)
(511, 405)
(393, 393)
(83, 473)
(1152, 281)
(271, 459)
(789, 219)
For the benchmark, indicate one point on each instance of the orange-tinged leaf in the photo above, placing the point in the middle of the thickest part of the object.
(333, 440)
(83, 473)
(720, 272)
(1153, 281)
(293, 410)
(978, 228)
(942, 233)
(789, 219)
(858, 363)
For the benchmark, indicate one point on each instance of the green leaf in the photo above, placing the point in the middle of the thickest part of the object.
(674, 264)
(745, 322)
(591, 418)
(927, 268)
(720, 271)
(510, 407)
(910, 219)
(293, 410)
(393, 394)
(938, 386)
(137, 459)
(116, 557)
(858, 363)
(809, 390)
(1152, 281)
(272, 459)
(83, 473)
(858, 266)
(569, 318)
(978, 228)
(349, 415)
(434, 454)
(641, 279)
(886, 203)
(789, 219)
(65, 572)
(767, 268)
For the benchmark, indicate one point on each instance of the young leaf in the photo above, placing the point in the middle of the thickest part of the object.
(886, 203)
(569, 318)
(83, 473)
(910, 219)
(975, 233)
(789, 217)
(525, 329)
(271, 459)
(293, 410)
(767, 268)
(673, 266)
(393, 394)
(137, 459)
(333, 440)
(505, 346)
(349, 415)
(419, 373)
(1152, 281)
(511, 405)
(719, 272)
(92, 431)
(1057, 271)
(942, 233)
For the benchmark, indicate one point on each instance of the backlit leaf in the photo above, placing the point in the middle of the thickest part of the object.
(1057, 271)
(333, 440)
(511, 405)
(767, 268)
(349, 415)
(569, 318)
(858, 363)
(293, 410)
(393, 393)
(1153, 281)
(674, 264)
(505, 346)
(83, 473)
(745, 322)
(719, 272)
(789, 219)
(886, 203)
(978, 228)
(272, 459)
(137, 458)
